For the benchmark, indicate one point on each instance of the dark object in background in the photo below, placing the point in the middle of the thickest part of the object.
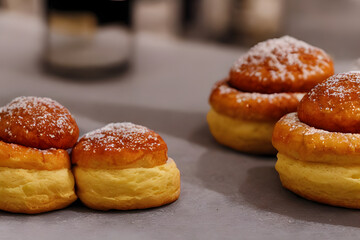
(106, 11)
(88, 39)
(232, 21)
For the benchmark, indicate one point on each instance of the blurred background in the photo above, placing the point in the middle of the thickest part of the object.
(95, 38)
(332, 24)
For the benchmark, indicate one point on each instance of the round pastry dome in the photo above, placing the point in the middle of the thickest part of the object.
(280, 65)
(120, 145)
(39, 123)
(333, 105)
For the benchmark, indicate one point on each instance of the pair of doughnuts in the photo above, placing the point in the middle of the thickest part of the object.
(121, 166)
(263, 85)
(319, 145)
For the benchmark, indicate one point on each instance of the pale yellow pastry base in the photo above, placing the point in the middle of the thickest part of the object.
(242, 135)
(331, 184)
(125, 189)
(35, 191)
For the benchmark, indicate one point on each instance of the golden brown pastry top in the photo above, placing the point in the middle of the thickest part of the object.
(17, 156)
(334, 104)
(300, 141)
(39, 123)
(281, 65)
(252, 106)
(120, 145)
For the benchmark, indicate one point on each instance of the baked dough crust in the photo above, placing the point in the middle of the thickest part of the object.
(35, 191)
(263, 85)
(281, 65)
(120, 146)
(17, 156)
(319, 146)
(300, 141)
(39, 123)
(337, 100)
(245, 121)
(35, 173)
(243, 135)
(331, 184)
(317, 164)
(125, 189)
(121, 166)
(252, 106)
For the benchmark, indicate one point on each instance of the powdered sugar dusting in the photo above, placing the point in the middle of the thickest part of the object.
(41, 116)
(279, 55)
(242, 97)
(119, 136)
(295, 124)
(270, 98)
(225, 89)
(334, 104)
(342, 87)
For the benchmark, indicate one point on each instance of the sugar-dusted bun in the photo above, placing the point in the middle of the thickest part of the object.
(317, 164)
(39, 123)
(124, 166)
(263, 85)
(333, 105)
(119, 146)
(281, 65)
(319, 147)
(35, 173)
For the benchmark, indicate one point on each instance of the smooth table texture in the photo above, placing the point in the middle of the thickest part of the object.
(225, 194)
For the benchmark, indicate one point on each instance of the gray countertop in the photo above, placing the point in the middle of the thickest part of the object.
(225, 194)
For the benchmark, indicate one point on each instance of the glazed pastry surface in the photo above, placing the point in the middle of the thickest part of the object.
(337, 100)
(39, 123)
(120, 145)
(319, 147)
(281, 65)
(124, 166)
(35, 173)
(263, 85)
(252, 106)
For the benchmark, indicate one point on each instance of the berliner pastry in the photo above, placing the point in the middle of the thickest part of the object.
(124, 166)
(35, 174)
(263, 85)
(319, 146)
